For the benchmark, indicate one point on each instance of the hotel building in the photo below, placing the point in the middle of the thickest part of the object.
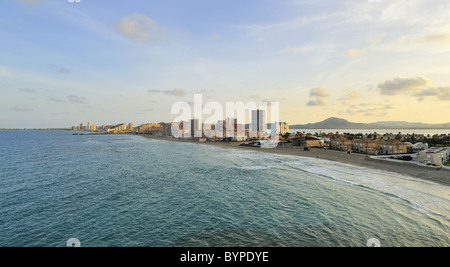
(258, 124)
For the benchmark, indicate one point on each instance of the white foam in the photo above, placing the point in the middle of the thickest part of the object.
(262, 167)
(423, 195)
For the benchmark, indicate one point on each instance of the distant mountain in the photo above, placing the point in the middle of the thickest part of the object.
(337, 123)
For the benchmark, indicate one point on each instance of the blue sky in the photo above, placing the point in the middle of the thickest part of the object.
(107, 62)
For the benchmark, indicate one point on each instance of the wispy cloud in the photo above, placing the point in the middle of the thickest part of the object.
(353, 95)
(367, 110)
(27, 90)
(77, 99)
(440, 38)
(354, 53)
(141, 28)
(441, 93)
(292, 24)
(5, 72)
(56, 100)
(175, 92)
(59, 69)
(21, 108)
(301, 49)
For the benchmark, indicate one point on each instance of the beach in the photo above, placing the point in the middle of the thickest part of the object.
(440, 176)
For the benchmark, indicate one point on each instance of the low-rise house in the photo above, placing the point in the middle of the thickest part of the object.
(307, 141)
(368, 146)
(393, 147)
(434, 156)
(341, 143)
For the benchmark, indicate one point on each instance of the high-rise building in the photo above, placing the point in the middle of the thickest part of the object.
(130, 126)
(196, 128)
(89, 127)
(231, 127)
(280, 128)
(258, 122)
(220, 129)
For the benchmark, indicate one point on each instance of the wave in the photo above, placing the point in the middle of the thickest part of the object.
(422, 200)
(262, 167)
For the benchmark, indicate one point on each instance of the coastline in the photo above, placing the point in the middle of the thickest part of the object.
(441, 176)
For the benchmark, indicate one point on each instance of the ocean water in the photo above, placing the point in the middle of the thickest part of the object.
(124, 190)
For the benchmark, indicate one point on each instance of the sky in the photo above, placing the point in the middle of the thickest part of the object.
(63, 63)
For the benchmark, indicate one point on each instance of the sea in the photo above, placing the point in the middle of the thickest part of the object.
(130, 191)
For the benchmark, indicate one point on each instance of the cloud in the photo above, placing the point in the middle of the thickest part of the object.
(318, 102)
(368, 110)
(350, 96)
(403, 84)
(419, 41)
(21, 108)
(27, 90)
(254, 96)
(60, 70)
(354, 53)
(440, 38)
(5, 72)
(77, 99)
(141, 28)
(175, 92)
(216, 36)
(301, 49)
(441, 93)
(56, 100)
(319, 92)
(321, 97)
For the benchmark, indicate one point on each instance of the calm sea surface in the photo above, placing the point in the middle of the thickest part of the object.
(130, 191)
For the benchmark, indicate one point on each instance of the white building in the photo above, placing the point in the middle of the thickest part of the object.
(434, 156)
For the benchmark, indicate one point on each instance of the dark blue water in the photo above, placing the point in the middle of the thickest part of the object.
(120, 190)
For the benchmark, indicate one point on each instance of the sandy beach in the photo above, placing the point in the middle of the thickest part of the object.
(441, 176)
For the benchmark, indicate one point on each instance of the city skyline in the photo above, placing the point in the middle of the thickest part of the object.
(366, 61)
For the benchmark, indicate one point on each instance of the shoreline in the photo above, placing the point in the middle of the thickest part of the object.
(439, 176)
